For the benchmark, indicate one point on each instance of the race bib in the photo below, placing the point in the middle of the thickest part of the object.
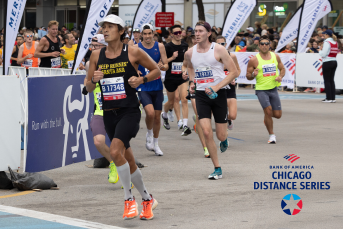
(56, 62)
(27, 63)
(113, 88)
(176, 68)
(98, 96)
(269, 70)
(204, 75)
(70, 64)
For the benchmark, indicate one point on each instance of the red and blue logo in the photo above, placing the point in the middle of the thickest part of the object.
(319, 65)
(246, 60)
(290, 65)
(291, 204)
(291, 157)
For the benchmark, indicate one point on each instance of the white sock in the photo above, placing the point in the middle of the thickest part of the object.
(125, 178)
(156, 141)
(164, 115)
(150, 133)
(185, 120)
(137, 180)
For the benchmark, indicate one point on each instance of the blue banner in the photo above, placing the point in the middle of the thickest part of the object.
(59, 115)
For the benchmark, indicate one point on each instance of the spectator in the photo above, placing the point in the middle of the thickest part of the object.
(219, 30)
(156, 37)
(256, 41)
(258, 28)
(288, 48)
(183, 35)
(273, 46)
(250, 31)
(253, 48)
(324, 28)
(126, 39)
(235, 45)
(136, 37)
(214, 34)
(249, 42)
(15, 51)
(314, 47)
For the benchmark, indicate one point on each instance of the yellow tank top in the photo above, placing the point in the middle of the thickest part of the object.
(68, 57)
(265, 79)
(98, 101)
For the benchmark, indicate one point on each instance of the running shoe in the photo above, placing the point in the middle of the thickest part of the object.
(224, 145)
(165, 122)
(180, 124)
(130, 209)
(170, 115)
(194, 118)
(333, 101)
(217, 174)
(230, 124)
(113, 176)
(206, 153)
(272, 139)
(326, 101)
(148, 206)
(158, 151)
(195, 128)
(149, 143)
(186, 131)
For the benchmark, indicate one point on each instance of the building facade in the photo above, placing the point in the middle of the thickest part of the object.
(71, 13)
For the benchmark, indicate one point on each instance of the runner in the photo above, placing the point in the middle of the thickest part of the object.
(151, 93)
(136, 36)
(15, 51)
(231, 89)
(115, 69)
(205, 62)
(97, 122)
(264, 67)
(70, 48)
(48, 49)
(173, 81)
(27, 50)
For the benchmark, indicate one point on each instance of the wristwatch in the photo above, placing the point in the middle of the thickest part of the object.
(93, 81)
(145, 79)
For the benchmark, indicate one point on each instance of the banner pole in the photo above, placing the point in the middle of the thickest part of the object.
(339, 16)
(4, 36)
(286, 21)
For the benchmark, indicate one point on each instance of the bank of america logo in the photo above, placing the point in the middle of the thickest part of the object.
(246, 61)
(290, 65)
(291, 204)
(319, 65)
(291, 157)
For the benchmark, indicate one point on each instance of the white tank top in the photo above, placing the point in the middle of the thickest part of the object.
(208, 71)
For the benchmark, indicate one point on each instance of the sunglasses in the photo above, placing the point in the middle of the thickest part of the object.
(136, 30)
(177, 33)
(264, 43)
(29, 36)
(223, 43)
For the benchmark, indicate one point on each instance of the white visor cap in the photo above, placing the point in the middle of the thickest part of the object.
(114, 19)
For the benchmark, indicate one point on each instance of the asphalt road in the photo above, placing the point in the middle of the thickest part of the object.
(187, 199)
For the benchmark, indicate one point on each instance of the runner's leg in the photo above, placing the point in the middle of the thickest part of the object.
(198, 127)
(183, 93)
(176, 105)
(206, 126)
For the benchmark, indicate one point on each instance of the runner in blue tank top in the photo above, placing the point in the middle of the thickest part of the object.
(151, 93)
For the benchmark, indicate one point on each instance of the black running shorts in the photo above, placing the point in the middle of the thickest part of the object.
(122, 123)
(152, 97)
(231, 93)
(171, 84)
(206, 106)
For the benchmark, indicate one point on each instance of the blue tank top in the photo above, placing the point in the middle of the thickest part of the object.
(155, 85)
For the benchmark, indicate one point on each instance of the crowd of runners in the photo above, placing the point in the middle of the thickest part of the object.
(126, 75)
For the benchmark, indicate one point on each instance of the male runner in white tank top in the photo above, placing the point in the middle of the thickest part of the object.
(205, 63)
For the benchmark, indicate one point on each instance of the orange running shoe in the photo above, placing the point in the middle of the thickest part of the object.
(148, 206)
(130, 209)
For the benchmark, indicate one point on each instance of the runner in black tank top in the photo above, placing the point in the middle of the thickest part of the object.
(15, 55)
(53, 47)
(115, 68)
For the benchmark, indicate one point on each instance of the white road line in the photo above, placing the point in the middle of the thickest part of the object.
(56, 218)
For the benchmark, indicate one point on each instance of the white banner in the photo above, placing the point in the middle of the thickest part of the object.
(290, 32)
(287, 59)
(97, 11)
(236, 16)
(313, 11)
(145, 12)
(310, 74)
(14, 13)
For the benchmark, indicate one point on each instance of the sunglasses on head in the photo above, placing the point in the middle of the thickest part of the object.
(136, 30)
(264, 43)
(29, 36)
(177, 33)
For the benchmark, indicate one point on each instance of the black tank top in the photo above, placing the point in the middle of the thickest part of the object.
(53, 47)
(15, 55)
(115, 89)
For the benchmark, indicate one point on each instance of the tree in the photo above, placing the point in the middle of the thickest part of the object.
(201, 11)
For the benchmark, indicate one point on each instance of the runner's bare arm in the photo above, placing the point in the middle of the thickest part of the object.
(251, 68)
(93, 71)
(21, 59)
(234, 58)
(131, 43)
(190, 70)
(163, 57)
(226, 59)
(142, 58)
(281, 68)
(38, 53)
